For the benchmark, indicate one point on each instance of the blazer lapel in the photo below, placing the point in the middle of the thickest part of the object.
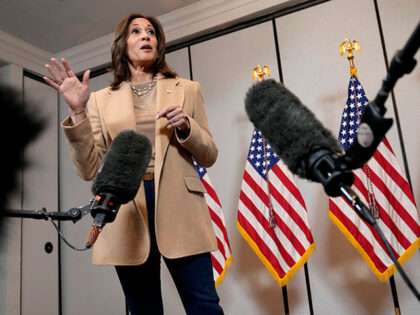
(118, 111)
(168, 93)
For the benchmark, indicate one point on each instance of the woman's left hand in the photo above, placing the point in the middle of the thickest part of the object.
(175, 117)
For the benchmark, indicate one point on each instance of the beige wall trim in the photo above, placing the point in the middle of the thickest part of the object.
(20, 53)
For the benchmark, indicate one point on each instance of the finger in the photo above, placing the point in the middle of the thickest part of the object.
(174, 122)
(86, 75)
(67, 67)
(52, 83)
(56, 77)
(177, 112)
(164, 112)
(60, 69)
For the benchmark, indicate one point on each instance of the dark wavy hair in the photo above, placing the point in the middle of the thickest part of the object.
(119, 46)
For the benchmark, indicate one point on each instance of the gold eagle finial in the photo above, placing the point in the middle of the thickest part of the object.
(348, 46)
(260, 72)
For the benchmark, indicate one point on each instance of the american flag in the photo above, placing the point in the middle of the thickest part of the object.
(382, 186)
(272, 215)
(222, 258)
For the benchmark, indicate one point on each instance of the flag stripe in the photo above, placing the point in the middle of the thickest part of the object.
(385, 218)
(394, 203)
(360, 238)
(290, 211)
(268, 230)
(211, 192)
(399, 185)
(284, 214)
(262, 245)
(286, 237)
(285, 177)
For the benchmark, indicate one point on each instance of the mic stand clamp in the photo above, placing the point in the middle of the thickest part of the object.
(327, 168)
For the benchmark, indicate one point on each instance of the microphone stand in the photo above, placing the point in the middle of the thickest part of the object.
(74, 214)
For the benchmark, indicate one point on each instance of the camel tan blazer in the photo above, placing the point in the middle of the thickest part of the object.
(182, 220)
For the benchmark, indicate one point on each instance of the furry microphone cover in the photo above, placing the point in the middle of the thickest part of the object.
(124, 166)
(18, 128)
(292, 129)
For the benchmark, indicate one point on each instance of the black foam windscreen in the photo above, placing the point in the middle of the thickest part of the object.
(124, 166)
(290, 127)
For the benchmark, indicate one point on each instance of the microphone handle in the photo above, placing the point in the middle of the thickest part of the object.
(93, 236)
(98, 223)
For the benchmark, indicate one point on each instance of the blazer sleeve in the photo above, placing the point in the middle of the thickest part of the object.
(199, 142)
(86, 141)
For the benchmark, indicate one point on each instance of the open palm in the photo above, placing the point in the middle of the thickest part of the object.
(75, 92)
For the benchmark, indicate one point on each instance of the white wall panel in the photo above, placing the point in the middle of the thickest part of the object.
(223, 66)
(86, 289)
(178, 61)
(40, 269)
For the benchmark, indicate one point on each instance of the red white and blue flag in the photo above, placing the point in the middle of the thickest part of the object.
(222, 258)
(382, 186)
(272, 215)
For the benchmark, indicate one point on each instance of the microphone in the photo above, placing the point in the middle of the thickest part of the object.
(307, 148)
(118, 178)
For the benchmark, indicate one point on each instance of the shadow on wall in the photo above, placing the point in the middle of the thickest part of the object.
(19, 127)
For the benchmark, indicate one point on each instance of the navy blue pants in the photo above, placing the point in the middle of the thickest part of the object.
(192, 275)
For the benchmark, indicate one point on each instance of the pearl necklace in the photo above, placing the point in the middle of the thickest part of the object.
(144, 90)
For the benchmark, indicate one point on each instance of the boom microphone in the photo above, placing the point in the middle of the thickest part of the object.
(307, 148)
(118, 178)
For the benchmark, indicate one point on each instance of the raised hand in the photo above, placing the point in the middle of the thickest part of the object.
(74, 92)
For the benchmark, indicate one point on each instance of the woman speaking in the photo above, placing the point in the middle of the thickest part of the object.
(168, 217)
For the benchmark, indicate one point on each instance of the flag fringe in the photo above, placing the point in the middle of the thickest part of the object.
(220, 278)
(382, 276)
(281, 281)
